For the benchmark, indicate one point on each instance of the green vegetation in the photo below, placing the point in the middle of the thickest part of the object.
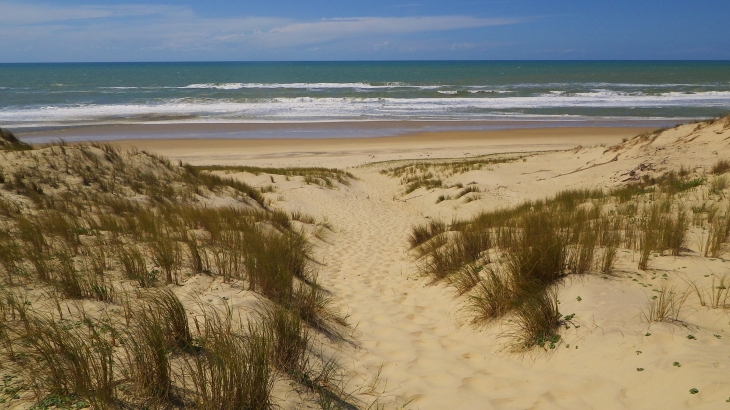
(9, 142)
(429, 174)
(312, 175)
(92, 243)
(508, 262)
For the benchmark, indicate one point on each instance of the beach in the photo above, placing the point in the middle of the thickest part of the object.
(347, 152)
(423, 205)
(417, 346)
(435, 242)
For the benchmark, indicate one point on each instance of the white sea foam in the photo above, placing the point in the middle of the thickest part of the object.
(239, 86)
(322, 109)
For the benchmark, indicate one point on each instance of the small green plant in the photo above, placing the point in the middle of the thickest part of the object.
(693, 391)
(676, 364)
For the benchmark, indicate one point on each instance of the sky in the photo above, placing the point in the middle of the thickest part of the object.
(325, 30)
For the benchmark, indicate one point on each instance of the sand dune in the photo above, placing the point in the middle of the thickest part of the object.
(433, 358)
(414, 344)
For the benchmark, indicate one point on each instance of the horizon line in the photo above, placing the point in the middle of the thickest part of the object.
(367, 61)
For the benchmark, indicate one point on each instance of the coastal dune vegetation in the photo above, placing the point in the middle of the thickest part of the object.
(94, 245)
(128, 280)
(508, 264)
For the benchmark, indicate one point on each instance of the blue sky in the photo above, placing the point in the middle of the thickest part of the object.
(169, 30)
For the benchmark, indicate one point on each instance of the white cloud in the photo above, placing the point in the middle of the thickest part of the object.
(17, 14)
(124, 30)
(332, 29)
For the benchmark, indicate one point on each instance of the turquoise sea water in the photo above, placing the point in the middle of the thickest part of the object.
(47, 95)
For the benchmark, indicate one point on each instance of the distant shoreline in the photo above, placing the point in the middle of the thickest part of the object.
(308, 130)
(347, 152)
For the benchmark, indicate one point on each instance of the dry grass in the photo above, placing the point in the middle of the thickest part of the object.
(718, 294)
(311, 175)
(720, 167)
(508, 262)
(430, 174)
(232, 368)
(70, 360)
(103, 227)
(666, 305)
(424, 232)
(536, 322)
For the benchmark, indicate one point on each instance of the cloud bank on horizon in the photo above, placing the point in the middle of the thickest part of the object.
(109, 30)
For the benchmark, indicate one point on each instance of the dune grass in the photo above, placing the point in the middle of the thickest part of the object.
(312, 175)
(429, 174)
(508, 262)
(667, 306)
(111, 229)
(69, 360)
(232, 368)
(720, 167)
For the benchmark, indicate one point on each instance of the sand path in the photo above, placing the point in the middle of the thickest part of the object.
(430, 357)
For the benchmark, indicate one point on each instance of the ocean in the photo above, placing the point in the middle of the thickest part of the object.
(34, 96)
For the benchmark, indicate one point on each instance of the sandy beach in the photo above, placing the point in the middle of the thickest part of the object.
(418, 336)
(412, 205)
(349, 152)
(413, 341)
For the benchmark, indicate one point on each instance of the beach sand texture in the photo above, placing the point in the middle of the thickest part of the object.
(420, 338)
(413, 343)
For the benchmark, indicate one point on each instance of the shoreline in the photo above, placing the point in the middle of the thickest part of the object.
(307, 130)
(344, 152)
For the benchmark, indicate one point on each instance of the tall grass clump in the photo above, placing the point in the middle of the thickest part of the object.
(650, 235)
(508, 262)
(465, 247)
(165, 304)
(720, 167)
(148, 349)
(718, 235)
(718, 184)
(290, 338)
(674, 236)
(11, 257)
(159, 328)
(134, 265)
(233, 369)
(536, 321)
(71, 360)
(493, 298)
(539, 255)
(166, 253)
(423, 232)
